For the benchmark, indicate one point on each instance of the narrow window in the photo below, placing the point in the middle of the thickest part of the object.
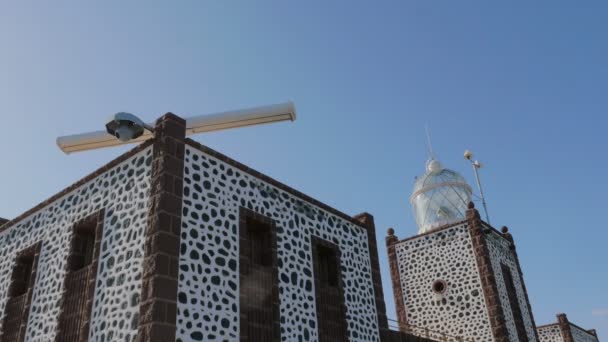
(331, 311)
(80, 280)
(258, 278)
(17, 309)
(514, 303)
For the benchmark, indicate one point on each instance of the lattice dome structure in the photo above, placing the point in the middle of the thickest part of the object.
(440, 197)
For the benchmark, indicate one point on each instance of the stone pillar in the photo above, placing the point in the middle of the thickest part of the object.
(564, 327)
(488, 280)
(507, 235)
(391, 241)
(367, 220)
(158, 307)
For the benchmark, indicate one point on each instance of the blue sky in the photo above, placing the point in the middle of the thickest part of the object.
(522, 84)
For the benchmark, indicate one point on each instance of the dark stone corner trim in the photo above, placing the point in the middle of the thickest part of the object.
(367, 220)
(391, 242)
(505, 234)
(158, 306)
(564, 327)
(486, 273)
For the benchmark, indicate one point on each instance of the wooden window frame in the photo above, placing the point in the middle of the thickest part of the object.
(318, 243)
(33, 252)
(95, 220)
(245, 215)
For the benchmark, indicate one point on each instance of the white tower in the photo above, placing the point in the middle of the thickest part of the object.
(459, 279)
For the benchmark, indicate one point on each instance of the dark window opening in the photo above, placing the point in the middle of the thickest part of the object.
(328, 266)
(514, 303)
(260, 243)
(22, 273)
(17, 308)
(83, 243)
(258, 278)
(331, 311)
(79, 280)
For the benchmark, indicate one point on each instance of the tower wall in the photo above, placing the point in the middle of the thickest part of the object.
(480, 270)
(443, 255)
(502, 255)
(119, 190)
(550, 333)
(215, 191)
(581, 335)
(565, 331)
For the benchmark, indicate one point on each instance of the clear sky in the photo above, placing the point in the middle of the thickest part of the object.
(523, 84)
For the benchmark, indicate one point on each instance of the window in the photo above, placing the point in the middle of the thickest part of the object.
(328, 266)
(83, 242)
(514, 303)
(260, 243)
(17, 309)
(22, 273)
(259, 298)
(79, 280)
(331, 311)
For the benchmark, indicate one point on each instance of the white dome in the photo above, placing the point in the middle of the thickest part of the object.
(440, 197)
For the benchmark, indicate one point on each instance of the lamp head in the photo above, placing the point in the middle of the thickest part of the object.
(125, 126)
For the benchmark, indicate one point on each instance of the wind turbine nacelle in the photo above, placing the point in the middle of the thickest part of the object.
(125, 128)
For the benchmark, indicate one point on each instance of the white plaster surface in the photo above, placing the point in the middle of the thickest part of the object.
(208, 305)
(123, 192)
(498, 247)
(444, 255)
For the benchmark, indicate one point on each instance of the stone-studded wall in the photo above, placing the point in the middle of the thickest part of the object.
(500, 252)
(122, 190)
(553, 333)
(208, 307)
(550, 333)
(580, 335)
(443, 255)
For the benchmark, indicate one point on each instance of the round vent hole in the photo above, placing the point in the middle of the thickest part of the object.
(439, 286)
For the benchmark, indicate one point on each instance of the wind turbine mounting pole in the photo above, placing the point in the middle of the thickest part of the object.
(468, 155)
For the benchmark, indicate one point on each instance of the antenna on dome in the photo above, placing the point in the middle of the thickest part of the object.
(429, 147)
(468, 155)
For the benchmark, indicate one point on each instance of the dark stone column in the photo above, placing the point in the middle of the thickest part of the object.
(592, 332)
(158, 307)
(367, 220)
(564, 327)
(507, 235)
(488, 280)
(391, 241)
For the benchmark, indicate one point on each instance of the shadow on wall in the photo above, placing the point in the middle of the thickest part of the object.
(397, 336)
